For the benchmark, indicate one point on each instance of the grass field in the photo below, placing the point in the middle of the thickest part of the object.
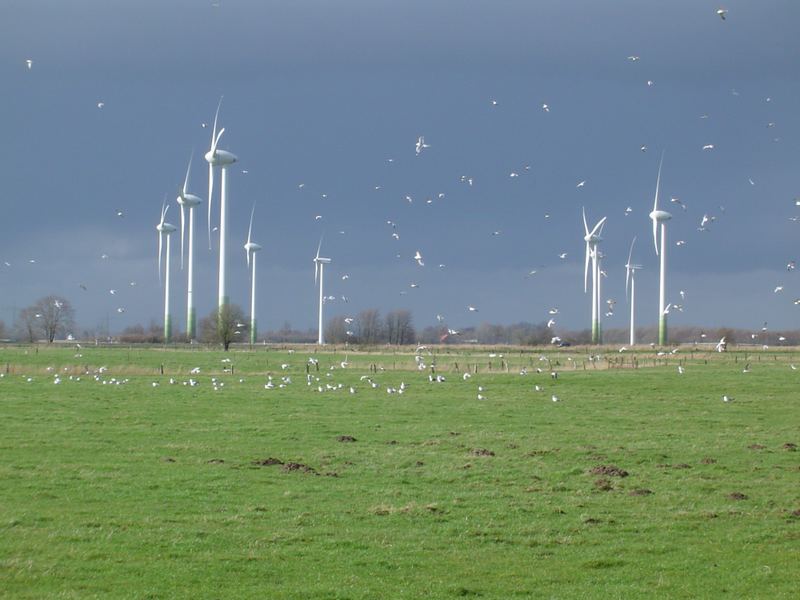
(132, 490)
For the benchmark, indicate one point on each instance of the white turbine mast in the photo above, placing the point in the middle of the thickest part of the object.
(660, 217)
(165, 229)
(319, 271)
(630, 282)
(592, 239)
(250, 249)
(223, 159)
(188, 202)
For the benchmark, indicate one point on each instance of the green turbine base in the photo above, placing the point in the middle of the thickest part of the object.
(662, 331)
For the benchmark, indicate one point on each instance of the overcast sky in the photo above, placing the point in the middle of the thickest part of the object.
(324, 93)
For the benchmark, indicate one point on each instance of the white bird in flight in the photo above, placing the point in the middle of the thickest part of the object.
(421, 145)
(418, 258)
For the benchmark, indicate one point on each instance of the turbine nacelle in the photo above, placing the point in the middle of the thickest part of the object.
(166, 228)
(220, 158)
(660, 216)
(592, 238)
(188, 200)
(252, 247)
(321, 260)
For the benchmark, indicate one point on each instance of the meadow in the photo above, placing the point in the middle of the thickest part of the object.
(123, 480)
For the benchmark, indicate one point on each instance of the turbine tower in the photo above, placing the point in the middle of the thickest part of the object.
(189, 201)
(630, 281)
(319, 269)
(223, 159)
(592, 239)
(660, 217)
(251, 248)
(164, 230)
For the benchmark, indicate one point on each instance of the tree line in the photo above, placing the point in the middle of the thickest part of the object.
(53, 317)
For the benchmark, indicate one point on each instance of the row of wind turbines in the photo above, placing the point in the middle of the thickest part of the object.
(216, 157)
(223, 159)
(593, 238)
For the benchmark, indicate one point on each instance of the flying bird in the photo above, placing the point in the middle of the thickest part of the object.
(418, 258)
(421, 145)
(722, 13)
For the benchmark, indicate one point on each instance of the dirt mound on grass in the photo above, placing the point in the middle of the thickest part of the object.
(482, 452)
(708, 461)
(345, 438)
(737, 496)
(789, 446)
(756, 447)
(640, 492)
(608, 470)
(293, 466)
(268, 462)
(603, 484)
(215, 461)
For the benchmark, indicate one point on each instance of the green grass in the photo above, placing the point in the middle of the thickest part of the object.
(135, 491)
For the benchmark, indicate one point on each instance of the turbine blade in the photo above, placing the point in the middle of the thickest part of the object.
(214, 131)
(658, 182)
(247, 253)
(160, 245)
(585, 226)
(210, 196)
(319, 247)
(316, 271)
(216, 141)
(599, 225)
(183, 221)
(586, 269)
(250, 229)
(655, 235)
(186, 180)
(630, 254)
(627, 278)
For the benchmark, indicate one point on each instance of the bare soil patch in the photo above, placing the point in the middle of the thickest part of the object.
(608, 470)
(293, 466)
(603, 484)
(268, 462)
(482, 452)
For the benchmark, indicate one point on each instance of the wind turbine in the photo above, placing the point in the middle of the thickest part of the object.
(189, 201)
(319, 270)
(251, 248)
(223, 159)
(592, 239)
(660, 217)
(165, 229)
(630, 280)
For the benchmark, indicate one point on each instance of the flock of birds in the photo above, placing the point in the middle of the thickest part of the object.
(327, 381)
(217, 157)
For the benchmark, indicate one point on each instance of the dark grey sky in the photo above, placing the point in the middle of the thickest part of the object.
(323, 93)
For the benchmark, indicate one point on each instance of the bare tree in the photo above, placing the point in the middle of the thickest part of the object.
(27, 327)
(336, 331)
(369, 329)
(50, 316)
(224, 326)
(399, 328)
